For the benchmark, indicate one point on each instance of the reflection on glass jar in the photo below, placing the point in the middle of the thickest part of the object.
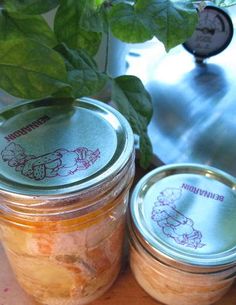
(63, 231)
(181, 224)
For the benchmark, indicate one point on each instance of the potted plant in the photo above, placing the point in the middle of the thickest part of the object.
(37, 61)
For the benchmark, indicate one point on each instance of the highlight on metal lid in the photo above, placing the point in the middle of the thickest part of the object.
(61, 146)
(186, 213)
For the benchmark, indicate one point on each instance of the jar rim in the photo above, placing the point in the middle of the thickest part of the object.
(142, 246)
(69, 205)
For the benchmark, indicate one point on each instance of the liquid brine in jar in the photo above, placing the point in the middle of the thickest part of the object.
(66, 170)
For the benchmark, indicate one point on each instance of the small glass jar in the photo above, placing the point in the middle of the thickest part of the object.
(67, 172)
(181, 234)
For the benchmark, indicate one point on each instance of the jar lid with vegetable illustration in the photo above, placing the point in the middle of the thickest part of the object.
(185, 216)
(61, 146)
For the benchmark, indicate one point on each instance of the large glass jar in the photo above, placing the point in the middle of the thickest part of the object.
(181, 234)
(66, 171)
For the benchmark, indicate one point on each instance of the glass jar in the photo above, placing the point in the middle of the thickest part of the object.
(181, 234)
(66, 175)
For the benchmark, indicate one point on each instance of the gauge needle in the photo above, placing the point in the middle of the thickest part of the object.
(206, 31)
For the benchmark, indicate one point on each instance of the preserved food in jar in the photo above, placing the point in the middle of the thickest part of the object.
(64, 200)
(182, 245)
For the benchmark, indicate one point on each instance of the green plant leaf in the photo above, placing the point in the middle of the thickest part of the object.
(127, 24)
(31, 70)
(68, 28)
(95, 20)
(83, 75)
(146, 152)
(31, 7)
(224, 3)
(134, 102)
(15, 26)
(99, 2)
(172, 22)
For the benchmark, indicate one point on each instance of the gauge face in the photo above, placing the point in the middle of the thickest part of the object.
(212, 35)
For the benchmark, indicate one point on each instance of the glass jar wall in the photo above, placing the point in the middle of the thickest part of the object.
(174, 286)
(64, 191)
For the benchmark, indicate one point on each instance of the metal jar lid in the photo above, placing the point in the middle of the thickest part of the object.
(61, 146)
(185, 215)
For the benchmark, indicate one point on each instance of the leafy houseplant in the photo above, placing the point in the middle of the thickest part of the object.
(37, 61)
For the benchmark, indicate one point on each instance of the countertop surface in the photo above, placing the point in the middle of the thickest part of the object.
(194, 104)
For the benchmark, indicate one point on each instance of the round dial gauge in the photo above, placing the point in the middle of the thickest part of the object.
(212, 35)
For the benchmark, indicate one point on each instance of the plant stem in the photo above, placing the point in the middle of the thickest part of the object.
(107, 52)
